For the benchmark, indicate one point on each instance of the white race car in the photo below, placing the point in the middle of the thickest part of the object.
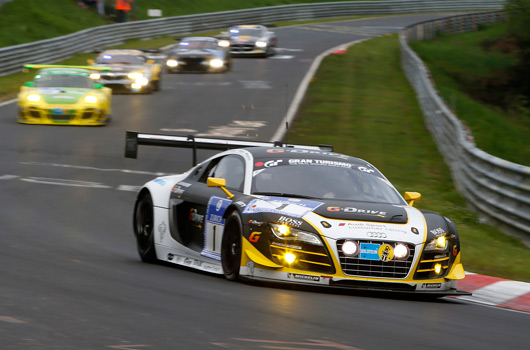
(291, 213)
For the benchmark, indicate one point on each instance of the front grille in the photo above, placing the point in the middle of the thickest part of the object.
(34, 113)
(89, 113)
(61, 117)
(355, 266)
(241, 47)
(115, 77)
(195, 63)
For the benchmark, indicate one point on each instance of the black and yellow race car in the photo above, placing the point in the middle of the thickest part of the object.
(130, 71)
(294, 214)
(199, 54)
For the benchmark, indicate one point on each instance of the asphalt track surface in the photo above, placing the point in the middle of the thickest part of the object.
(70, 277)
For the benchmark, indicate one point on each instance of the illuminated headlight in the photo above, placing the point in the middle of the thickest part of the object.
(172, 63)
(91, 99)
(224, 43)
(142, 81)
(33, 97)
(292, 234)
(135, 76)
(216, 63)
(401, 251)
(350, 248)
(95, 76)
(261, 44)
(438, 244)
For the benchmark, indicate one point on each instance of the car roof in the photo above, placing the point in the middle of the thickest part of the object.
(199, 38)
(65, 71)
(290, 152)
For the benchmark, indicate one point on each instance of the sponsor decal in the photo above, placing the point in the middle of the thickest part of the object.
(241, 204)
(177, 190)
(160, 182)
(432, 285)
(255, 222)
(254, 237)
(250, 266)
(370, 251)
(187, 261)
(376, 234)
(332, 163)
(325, 224)
(281, 205)
(357, 210)
(438, 231)
(215, 210)
(298, 276)
(385, 252)
(170, 256)
(290, 221)
(184, 184)
(415, 231)
(365, 169)
(162, 230)
(274, 150)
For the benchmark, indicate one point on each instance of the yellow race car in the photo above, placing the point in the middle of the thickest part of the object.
(64, 95)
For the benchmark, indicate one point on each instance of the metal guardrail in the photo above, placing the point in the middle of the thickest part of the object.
(499, 190)
(53, 50)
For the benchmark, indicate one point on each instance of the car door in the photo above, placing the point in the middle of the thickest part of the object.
(199, 212)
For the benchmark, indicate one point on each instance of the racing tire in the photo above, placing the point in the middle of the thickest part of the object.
(143, 223)
(231, 247)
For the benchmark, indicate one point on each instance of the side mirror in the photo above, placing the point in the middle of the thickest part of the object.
(218, 182)
(29, 84)
(98, 86)
(411, 197)
(150, 61)
(90, 62)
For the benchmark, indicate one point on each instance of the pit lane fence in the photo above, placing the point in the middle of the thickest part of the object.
(57, 49)
(497, 189)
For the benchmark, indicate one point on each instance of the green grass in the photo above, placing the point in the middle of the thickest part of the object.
(362, 103)
(25, 21)
(458, 65)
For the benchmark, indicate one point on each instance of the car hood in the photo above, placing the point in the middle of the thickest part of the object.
(243, 39)
(123, 68)
(195, 53)
(345, 219)
(61, 95)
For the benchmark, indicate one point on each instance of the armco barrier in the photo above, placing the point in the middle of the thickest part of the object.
(499, 190)
(53, 50)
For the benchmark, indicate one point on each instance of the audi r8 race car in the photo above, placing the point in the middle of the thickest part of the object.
(131, 71)
(64, 95)
(199, 54)
(254, 40)
(296, 214)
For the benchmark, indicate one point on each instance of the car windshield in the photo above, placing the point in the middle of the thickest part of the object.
(64, 80)
(338, 180)
(120, 59)
(246, 32)
(198, 44)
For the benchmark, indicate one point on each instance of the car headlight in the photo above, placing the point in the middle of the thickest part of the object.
(438, 244)
(216, 63)
(261, 44)
(172, 63)
(91, 99)
(285, 232)
(223, 43)
(142, 81)
(350, 248)
(95, 76)
(33, 97)
(401, 251)
(135, 75)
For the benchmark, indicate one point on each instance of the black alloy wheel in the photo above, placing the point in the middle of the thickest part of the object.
(231, 247)
(143, 228)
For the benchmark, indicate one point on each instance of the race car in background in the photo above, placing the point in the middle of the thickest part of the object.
(293, 214)
(251, 40)
(199, 54)
(131, 71)
(64, 95)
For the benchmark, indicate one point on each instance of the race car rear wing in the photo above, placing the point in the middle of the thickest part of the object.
(134, 139)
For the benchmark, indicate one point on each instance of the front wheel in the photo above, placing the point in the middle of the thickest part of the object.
(231, 247)
(143, 222)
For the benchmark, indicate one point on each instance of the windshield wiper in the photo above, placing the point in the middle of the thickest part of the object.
(283, 194)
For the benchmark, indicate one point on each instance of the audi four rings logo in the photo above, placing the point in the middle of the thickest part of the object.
(376, 234)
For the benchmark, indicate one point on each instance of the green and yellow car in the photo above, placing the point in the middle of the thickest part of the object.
(64, 95)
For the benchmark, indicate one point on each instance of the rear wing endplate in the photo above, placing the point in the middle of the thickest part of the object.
(134, 139)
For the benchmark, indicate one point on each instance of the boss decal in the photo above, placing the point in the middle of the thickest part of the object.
(438, 231)
(290, 221)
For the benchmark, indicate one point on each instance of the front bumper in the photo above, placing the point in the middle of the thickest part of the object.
(62, 115)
